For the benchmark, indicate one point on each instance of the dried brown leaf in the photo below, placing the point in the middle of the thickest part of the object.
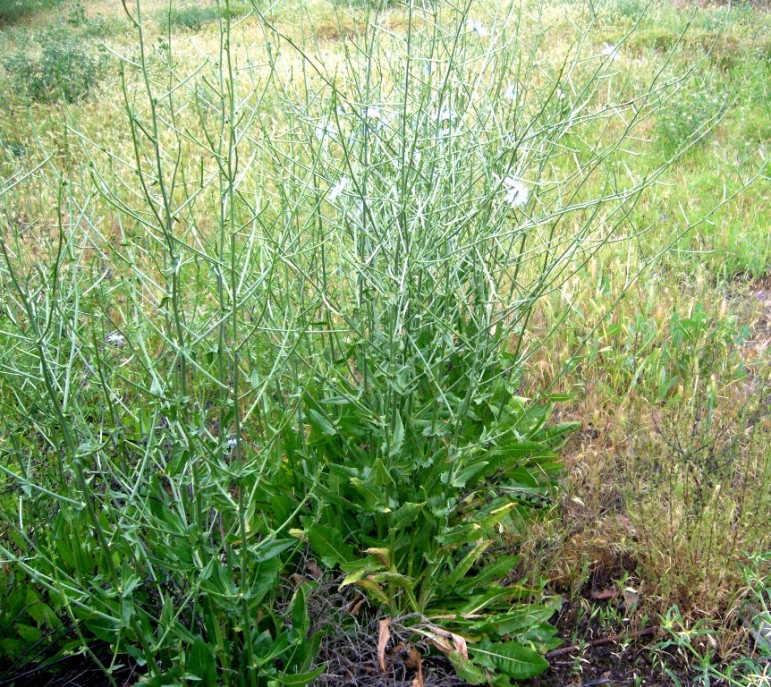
(414, 660)
(382, 642)
(440, 643)
(605, 594)
(460, 645)
(355, 606)
(313, 570)
(413, 657)
(446, 641)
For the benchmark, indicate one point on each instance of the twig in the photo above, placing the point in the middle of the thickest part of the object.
(613, 639)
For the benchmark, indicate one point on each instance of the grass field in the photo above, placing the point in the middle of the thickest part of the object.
(385, 344)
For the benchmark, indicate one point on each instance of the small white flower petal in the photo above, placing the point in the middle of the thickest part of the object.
(610, 51)
(337, 189)
(515, 193)
(373, 112)
(447, 115)
(478, 28)
(511, 93)
(115, 339)
(325, 130)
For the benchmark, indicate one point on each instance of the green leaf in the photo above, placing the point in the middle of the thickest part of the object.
(466, 670)
(405, 515)
(320, 422)
(12, 648)
(556, 433)
(465, 565)
(511, 658)
(489, 574)
(373, 589)
(460, 478)
(360, 573)
(393, 578)
(519, 620)
(42, 614)
(493, 597)
(264, 580)
(328, 544)
(272, 649)
(267, 549)
(103, 628)
(201, 662)
(299, 611)
(471, 532)
(28, 633)
(397, 437)
(367, 564)
(379, 480)
(462, 534)
(297, 679)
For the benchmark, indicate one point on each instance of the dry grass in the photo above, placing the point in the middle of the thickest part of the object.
(671, 492)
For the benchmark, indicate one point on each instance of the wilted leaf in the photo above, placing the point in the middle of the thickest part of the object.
(444, 640)
(355, 606)
(631, 598)
(414, 660)
(382, 554)
(382, 642)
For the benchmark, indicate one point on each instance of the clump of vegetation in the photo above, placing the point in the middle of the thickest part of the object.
(693, 111)
(195, 17)
(65, 68)
(12, 11)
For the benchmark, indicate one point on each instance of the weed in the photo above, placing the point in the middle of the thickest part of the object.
(630, 9)
(697, 647)
(77, 15)
(65, 70)
(694, 344)
(11, 11)
(690, 114)
(195, 17)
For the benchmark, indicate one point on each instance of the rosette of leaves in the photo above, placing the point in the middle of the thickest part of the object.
(414, 508)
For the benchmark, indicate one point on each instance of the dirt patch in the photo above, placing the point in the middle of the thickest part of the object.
(597, 653)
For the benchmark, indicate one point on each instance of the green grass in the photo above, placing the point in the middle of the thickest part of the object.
(12, 11)
(194, 18)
